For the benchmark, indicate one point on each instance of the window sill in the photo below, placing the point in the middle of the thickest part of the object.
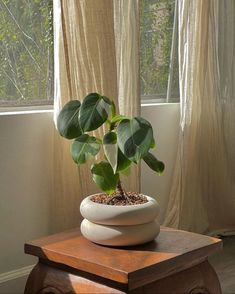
(49, 108)
(150, 100)
(156, 103)
(26, 110)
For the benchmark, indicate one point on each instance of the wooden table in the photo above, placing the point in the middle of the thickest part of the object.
(176, 262)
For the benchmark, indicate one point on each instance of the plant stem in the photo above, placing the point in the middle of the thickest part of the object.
(120, 194)
(120, 189)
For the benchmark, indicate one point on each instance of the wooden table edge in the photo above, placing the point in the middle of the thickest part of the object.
(120, 276)
(133, 279)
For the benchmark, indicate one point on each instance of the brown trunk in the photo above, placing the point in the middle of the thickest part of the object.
(120, 189)
(120, 193)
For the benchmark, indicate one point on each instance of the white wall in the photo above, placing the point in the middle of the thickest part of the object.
(165, 121)
(25, 185)
(26, 152)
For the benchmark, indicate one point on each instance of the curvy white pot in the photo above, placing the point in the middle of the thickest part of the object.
(120, 235)
(119, 215)
(119, 225)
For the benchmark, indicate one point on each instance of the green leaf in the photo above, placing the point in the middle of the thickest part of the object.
(154, 163)
(110, 138)
(94, 111)
(113, 109)
(84, 148)
(104, 177)
(67, 122)
(153, 144)
(118, 118)
(123, 162)
(111, 149)
(135, 137)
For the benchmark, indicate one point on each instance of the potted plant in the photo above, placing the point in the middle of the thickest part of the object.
(114, 217)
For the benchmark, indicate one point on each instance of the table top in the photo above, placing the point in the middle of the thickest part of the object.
(172, 251)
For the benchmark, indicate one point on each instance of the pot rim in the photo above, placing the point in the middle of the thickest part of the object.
(119, 214)
(149, 198)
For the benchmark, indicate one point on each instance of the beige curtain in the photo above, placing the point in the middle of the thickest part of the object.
(96, 50)
(202, 197)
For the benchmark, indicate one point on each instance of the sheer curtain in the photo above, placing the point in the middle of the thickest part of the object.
(202, 197)
(96, 50)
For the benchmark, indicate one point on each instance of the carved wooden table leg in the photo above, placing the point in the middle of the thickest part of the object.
(49, 280)
(200, 279)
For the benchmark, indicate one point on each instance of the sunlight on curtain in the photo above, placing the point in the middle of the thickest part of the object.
(88, 44)
(126, 22)
(202, 197)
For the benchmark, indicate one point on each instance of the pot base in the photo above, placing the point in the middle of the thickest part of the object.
(120, 235)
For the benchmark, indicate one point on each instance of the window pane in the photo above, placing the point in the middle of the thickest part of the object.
(26, 52)
(156, 31)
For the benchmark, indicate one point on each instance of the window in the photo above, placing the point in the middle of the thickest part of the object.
(158, 51)
(26, 52)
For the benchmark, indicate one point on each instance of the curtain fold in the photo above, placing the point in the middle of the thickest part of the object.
(127, 36)
(88, 45)
(202, 197)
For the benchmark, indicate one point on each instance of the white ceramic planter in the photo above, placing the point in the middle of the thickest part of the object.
(119, 215)
(120, 235)
(119, 225)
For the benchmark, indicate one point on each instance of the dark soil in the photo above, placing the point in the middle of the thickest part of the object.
(131, 198)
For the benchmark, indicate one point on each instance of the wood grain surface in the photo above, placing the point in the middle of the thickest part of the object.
(172, 252)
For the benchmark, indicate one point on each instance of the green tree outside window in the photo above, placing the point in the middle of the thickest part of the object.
(26, 52)
(156, 28)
